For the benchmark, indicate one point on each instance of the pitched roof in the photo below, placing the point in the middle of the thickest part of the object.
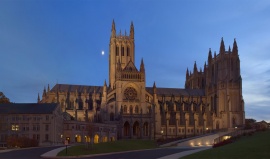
(130, 67)
(177, 91)
(27, 108)
(73, 88)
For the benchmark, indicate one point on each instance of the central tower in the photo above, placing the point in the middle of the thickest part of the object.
(121, 51)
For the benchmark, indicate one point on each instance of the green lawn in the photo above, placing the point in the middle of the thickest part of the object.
(256, 146)
(121, 145)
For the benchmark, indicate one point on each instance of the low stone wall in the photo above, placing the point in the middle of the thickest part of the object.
(201, 141)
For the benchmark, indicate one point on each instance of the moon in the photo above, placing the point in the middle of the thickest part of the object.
(102, 52)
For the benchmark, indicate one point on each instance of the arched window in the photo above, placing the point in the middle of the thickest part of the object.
(71, 104)
(122, 51)
(125, 109)
(128, 51)
(145, 129)
(117, 50)
(233, 122)
(130, 109)
(217, 125)
(126, 129)
(136, 129)
(80, 103)
(172, 120)
(215, 104)
(137, 109)
(111, 116)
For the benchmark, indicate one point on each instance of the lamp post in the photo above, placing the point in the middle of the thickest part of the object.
(161, 134)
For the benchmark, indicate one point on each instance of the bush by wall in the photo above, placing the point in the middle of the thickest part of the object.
(21, 142)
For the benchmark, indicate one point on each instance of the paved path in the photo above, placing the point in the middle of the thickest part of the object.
(184, 153)
(25, 153)
(166, 153)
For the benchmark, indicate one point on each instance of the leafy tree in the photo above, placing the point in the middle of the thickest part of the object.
(3, 98)
(249, 123)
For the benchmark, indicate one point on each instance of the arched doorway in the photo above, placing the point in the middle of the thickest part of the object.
(112, 139)
(233, 122)
(145, 129)
(78, 138)
(217, 125)
(96, 137)
(104, 139)
(87, 139)
(126, 129)
(136, 129)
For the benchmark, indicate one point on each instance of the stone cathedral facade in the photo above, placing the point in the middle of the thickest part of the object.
(212, 97)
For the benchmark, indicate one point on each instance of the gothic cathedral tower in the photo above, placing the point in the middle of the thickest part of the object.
(121, 51)
(127, 88)
(224, 87)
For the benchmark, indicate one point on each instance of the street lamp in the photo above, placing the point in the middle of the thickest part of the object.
(236, 130)
(161, 134)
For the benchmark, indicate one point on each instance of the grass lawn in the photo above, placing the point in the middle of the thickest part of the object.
(121, 145)
(256, 146)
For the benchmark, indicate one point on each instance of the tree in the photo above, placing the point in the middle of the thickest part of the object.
(3, 98)
(249, 123)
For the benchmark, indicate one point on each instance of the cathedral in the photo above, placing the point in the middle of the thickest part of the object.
(211, 100)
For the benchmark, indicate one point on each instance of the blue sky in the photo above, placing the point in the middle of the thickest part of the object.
(48, 41)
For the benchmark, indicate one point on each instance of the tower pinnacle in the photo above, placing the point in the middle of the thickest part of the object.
(222, 47)
(142, 66)
(113, 32)
(235, 48)
(131, 30)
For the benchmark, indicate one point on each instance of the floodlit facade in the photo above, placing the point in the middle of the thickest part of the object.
(212, 97)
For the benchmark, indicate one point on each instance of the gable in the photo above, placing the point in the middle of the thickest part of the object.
(130, 67)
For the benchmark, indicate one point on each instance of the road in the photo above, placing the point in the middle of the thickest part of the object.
(144, 154)
(29, 153)
(34, 153)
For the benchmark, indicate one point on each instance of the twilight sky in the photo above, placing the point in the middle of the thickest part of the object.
(60, 41)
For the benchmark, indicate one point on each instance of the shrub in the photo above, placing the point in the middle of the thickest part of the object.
(21, 142)
(222, 143)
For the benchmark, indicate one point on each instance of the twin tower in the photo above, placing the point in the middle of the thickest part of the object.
(219, 81)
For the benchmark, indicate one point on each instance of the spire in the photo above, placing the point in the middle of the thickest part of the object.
(215, 54)
(235, 48)
(44, 92)
(131, 30)
(195, 68)
(154, 88)
(105, 84)
(38, 98)
(229, 49)
(48, 90)
(187, 74)
(113, 32)
(222, 47)
(204, 68)
(210, 54)
(142, 66)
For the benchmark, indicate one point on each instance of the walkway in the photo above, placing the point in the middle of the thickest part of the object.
(53, 153)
